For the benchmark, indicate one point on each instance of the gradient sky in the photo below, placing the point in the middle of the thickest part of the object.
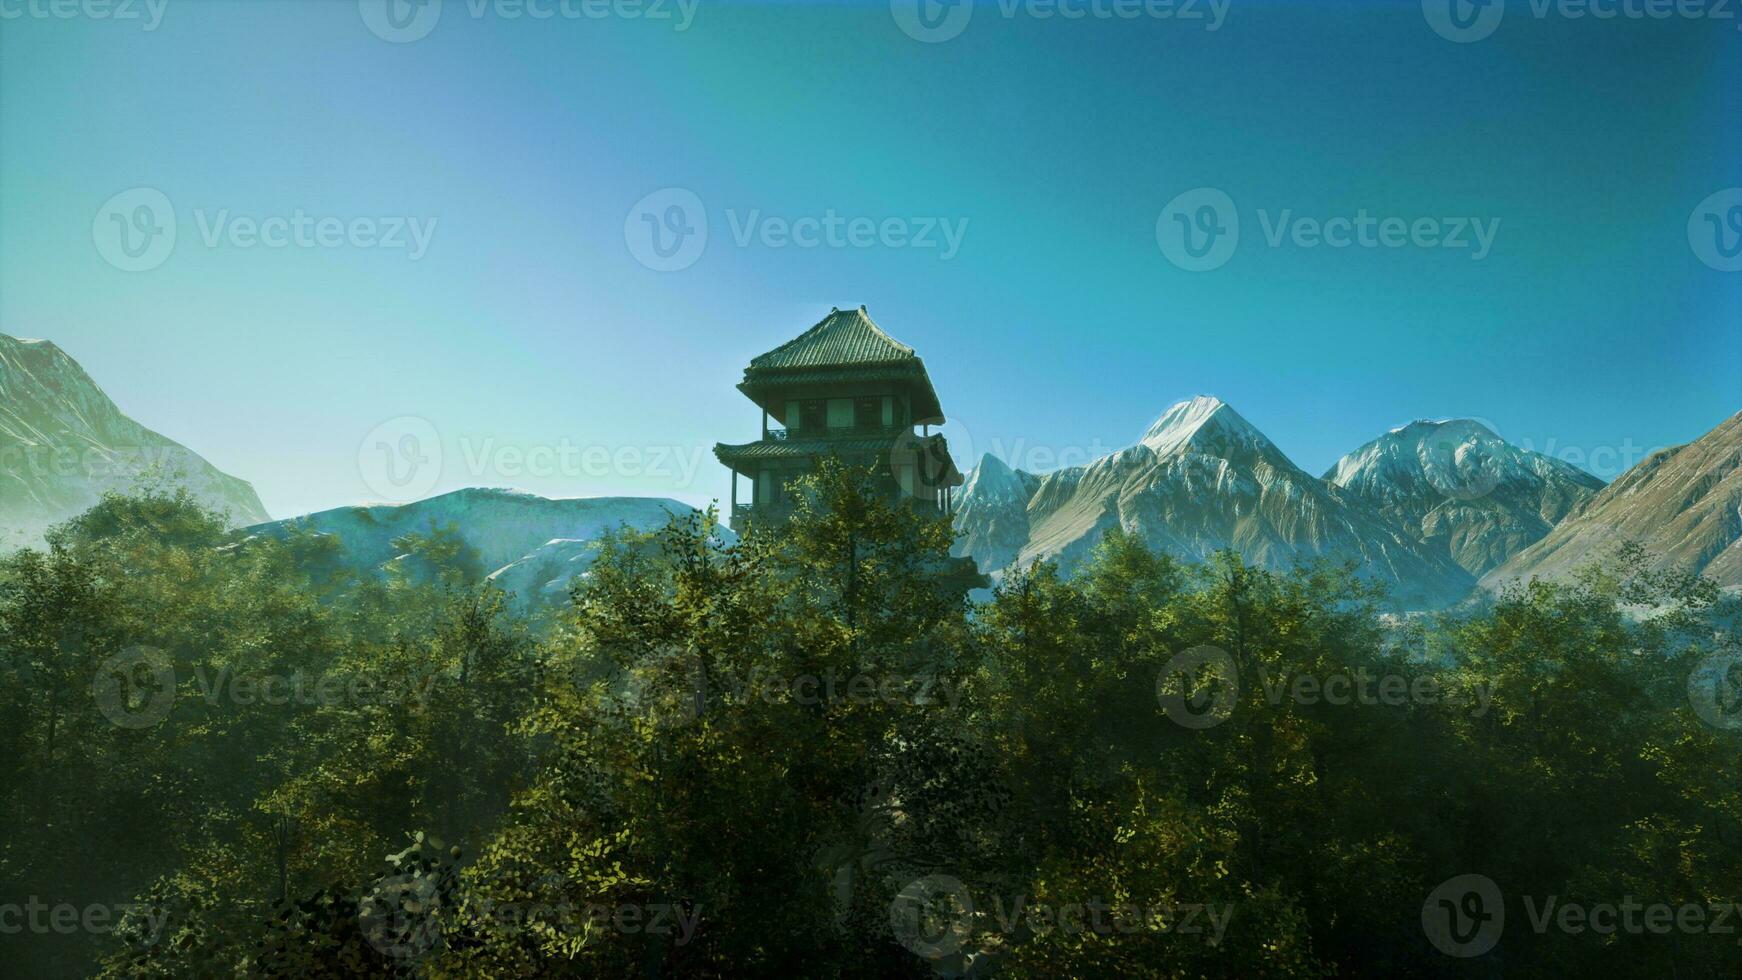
(1592, 329)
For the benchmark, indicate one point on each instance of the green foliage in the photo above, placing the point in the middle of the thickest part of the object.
(807, 754)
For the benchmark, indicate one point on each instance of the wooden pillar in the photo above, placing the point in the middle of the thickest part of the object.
(765, 423)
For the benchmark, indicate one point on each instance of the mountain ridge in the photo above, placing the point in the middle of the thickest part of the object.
(527, 544)
(65, 443)
(1203, 478)
(1461, 489)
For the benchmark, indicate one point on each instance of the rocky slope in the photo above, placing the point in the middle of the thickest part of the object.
(1683, 505)
(63, 444)
(1462, 490)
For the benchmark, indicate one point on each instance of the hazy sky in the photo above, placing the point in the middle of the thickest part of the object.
(463, 247)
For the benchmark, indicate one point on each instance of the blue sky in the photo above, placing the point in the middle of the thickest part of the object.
(530, 321)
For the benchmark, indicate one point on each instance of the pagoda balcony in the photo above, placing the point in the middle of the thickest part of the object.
(837, 432)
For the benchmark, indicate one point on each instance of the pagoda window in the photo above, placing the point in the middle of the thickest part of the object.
(867, 413)
(840, 413)
(811, 416)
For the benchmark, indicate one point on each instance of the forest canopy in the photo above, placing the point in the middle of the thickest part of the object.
(820, 751)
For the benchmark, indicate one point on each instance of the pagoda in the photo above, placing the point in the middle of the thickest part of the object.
(842, 388)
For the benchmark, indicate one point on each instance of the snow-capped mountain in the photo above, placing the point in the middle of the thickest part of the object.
(993, 514)
(1462, 490)
(529, 545)
(1201, 479)
(63, 444)
(1684, 505)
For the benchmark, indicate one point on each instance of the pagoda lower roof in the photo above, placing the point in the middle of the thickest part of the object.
(765, 449)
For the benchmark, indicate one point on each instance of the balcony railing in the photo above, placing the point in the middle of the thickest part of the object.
(850, 432)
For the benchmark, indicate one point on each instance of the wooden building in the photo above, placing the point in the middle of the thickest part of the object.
(846, 388)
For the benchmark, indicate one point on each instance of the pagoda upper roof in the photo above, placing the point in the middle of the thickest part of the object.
(844, 337)
(844, 346)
